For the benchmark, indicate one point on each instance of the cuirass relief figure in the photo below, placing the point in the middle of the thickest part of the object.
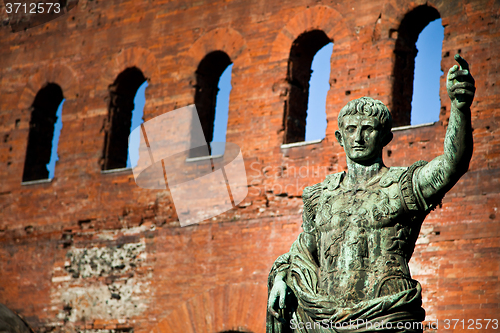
(349, 266)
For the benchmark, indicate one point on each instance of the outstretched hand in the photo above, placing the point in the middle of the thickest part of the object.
(460, 84)
(278, 292)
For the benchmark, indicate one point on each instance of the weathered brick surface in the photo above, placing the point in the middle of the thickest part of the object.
(212, 276)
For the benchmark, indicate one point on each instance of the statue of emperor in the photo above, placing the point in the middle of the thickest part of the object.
(348, 270)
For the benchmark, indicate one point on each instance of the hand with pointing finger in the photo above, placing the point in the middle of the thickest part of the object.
(460, 85)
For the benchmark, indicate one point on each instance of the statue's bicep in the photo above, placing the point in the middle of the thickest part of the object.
(415, 187)
(424, 185)
(433, 179)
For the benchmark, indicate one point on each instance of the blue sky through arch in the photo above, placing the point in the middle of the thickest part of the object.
(222, 111)
(137, 120)
(425, 105)
(51, 166)
(319, 84)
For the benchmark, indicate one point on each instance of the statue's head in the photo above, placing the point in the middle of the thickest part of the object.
(364, 129)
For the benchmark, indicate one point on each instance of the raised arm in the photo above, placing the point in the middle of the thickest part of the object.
(439, 176)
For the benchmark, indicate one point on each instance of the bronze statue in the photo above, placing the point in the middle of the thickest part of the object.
(11, 322)
(348, 270)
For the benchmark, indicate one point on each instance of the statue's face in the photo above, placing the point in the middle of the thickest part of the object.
(362, 138)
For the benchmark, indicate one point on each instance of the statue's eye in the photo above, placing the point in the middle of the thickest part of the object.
(350, 129)
(368, 129)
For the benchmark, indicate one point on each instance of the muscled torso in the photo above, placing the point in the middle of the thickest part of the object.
(364, 236)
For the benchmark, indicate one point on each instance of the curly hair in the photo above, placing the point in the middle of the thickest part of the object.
(369, 107)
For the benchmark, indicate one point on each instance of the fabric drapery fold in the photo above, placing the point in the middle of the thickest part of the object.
(328, 315)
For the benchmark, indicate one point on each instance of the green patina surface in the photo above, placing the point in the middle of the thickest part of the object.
(350, 263)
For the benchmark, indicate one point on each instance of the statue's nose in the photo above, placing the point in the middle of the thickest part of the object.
(359, 137)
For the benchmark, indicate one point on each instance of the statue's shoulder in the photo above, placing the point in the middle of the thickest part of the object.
(331, 182)
(311, 194)
(393, 175)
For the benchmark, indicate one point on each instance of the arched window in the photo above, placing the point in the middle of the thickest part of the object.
(221, 112)
(425, 103)
(121, 104)
(318, 89)
(137, 120)
(303, 50)
(45, 126)
(405, 51)
(214, 67)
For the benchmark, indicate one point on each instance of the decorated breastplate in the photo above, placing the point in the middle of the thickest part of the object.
(364, 238)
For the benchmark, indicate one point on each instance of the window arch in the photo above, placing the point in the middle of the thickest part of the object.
(425, 103)
(318, 90)
(405, 51)
(302, 52)
(137, 120)
(208, 74)
(40, 150)
(121, 104)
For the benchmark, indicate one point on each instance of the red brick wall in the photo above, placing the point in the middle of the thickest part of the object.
(141, 270)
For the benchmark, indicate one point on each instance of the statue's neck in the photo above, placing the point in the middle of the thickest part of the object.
(358, 174)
